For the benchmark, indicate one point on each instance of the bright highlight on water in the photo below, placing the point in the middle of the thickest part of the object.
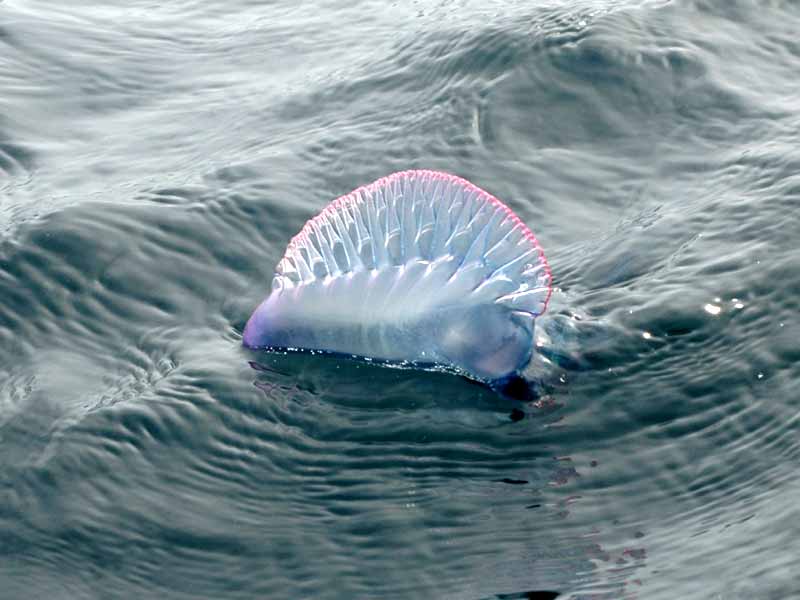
(420, 268)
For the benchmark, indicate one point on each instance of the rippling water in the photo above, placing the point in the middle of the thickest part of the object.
(156, 158)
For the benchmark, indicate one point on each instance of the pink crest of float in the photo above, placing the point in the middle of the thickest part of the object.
(343, 212)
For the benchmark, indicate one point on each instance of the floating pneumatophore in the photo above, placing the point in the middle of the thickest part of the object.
(419, 268)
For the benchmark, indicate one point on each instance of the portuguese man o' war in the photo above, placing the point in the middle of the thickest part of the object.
(420, 268)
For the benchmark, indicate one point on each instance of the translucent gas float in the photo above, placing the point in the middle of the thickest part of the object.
(420, 269)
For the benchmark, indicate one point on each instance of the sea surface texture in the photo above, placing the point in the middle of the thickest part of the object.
(156, 158)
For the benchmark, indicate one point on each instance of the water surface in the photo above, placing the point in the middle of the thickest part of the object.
(155, 159)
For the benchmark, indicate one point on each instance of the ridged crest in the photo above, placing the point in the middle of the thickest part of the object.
(419, 217)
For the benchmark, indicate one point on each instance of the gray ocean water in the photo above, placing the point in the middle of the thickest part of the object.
(155, 159)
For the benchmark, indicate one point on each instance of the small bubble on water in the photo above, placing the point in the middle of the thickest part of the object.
(646, 335)
(712, 309)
